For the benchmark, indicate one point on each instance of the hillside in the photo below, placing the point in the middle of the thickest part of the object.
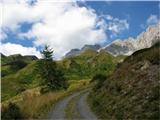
(18, 82)
(16, 57)
(17, 74)
(75, 52)
(89, 63)
(132, 91)
(16, 78)
(11, 64)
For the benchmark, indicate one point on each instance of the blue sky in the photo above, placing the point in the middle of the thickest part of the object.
(27, 28)
(136, 13)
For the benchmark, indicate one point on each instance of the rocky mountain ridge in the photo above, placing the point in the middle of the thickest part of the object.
(125, 47)
(75, 52)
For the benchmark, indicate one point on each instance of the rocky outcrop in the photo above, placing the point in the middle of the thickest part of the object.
(93, 47)
(127, 47)
(75, 52)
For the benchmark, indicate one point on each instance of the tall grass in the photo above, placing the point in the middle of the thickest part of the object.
(36, 106)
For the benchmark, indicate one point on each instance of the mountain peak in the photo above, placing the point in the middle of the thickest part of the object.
(75, 52)
(126, 47)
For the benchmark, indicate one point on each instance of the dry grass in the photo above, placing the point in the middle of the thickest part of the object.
(36, 106)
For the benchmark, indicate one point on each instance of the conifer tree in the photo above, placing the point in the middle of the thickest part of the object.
(52, 76)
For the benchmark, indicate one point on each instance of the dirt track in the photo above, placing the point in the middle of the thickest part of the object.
(58, 111)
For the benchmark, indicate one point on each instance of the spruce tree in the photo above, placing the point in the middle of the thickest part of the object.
(47, 53)
(52, 76)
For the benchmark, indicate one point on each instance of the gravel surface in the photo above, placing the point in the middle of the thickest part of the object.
(58, 111)
(84, 109)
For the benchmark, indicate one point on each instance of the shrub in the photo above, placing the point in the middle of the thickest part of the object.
(18, 64)
(98, 79)
(44, 90)
(12, 111)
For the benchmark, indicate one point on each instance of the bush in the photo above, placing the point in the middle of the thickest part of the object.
(44, 90)
(21, 89)
(18, 64)
(12, 111)
(98, 79)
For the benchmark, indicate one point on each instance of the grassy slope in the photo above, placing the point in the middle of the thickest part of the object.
(8, 59)
(36, 106)
(88, 64)
(11, 64)
(83, 66)
(14, 84)
(132, 92)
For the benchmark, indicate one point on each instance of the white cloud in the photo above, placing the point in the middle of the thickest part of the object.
(109, 17)
(2, 35)
(70, 29)
(153, 19)
(62, 25)
(114, 25)
(118, 26)
(10, 48)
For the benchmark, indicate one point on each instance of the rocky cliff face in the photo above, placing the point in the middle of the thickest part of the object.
(75, 52)
(127, 47)
(93, 47)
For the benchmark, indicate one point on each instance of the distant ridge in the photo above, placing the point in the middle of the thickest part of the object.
(75, 52)
(17, 57)
(125, 47)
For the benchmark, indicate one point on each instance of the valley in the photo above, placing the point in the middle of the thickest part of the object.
(90, 83)
(117, 88)
(22, 85)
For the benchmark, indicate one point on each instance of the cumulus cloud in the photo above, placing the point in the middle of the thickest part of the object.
(109, 17)
(70, 29)
(118, 25)
(62, 25)
(114, 25)
(153, 19)
(10, 48)
(2, 35)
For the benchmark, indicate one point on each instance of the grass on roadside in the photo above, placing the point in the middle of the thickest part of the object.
(71, 111)
(36, 106)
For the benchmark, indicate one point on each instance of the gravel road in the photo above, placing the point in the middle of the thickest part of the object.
(83, 108)
(58, 111)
